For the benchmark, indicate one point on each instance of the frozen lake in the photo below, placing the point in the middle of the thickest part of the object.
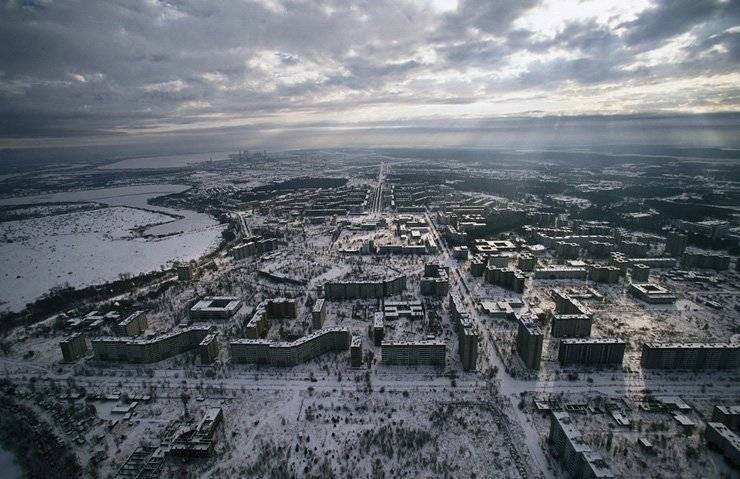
(91, 247)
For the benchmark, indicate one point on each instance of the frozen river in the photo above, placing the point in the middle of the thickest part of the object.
(91, 247)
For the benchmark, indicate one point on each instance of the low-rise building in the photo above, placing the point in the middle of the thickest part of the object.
(412, 310)
(215, 307)
(651, 293)
(201, 441)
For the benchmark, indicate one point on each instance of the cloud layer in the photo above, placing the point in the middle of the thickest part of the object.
(95, 69)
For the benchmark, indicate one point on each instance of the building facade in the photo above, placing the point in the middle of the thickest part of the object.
(591, 351)
(414, 353)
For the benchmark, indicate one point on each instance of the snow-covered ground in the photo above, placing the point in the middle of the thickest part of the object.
(91, 247)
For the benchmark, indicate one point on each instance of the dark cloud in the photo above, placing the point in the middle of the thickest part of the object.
(87, 68)
(669, 18)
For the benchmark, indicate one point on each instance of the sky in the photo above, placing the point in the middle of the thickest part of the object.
(326, 72)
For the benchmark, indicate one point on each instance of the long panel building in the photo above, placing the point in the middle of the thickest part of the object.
(365, 289)
(467, 335)
(260, 351)
(414, 353)
(591, 351)
(576, 456)
(150, 350)
(694, 356)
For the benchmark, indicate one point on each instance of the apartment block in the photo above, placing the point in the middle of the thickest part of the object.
(693, 356)
(725, 440)
(560, 272)
(259, 323)
(706, 261)
(508, 278)
(355, 351)
(318, 313)
(74, 347)
(261, 351)
(529, 338)
(152, 349)
(603, 274)
(208, 349)
(676, 244)
(132, 325)
(591, 351)
(340, 290)
(467, 334)
(727, 415)
(435, 281)
(576, 456)
(378, 328)
(414, 353)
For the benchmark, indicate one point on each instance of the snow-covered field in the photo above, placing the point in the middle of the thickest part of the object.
(91, 247)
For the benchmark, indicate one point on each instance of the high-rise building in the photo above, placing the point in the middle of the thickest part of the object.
(318, 313)
(292, 353)
(355, 351)
(675, 244)
(591, 351)
(529, 342)
(74, 347)
(694, 356)
(467, 334)
(414, 353)
(576, 456)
